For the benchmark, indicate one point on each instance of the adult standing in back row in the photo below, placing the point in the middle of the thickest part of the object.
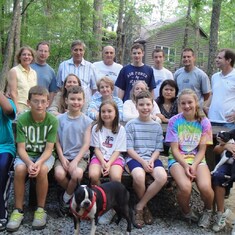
(159, 71)
(79, 66)
(107, 67)
(222, 108)
(21, 78)
(190, 76)
(137, 70)
(45, 73)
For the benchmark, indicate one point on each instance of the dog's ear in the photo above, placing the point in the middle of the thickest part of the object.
(78, 185)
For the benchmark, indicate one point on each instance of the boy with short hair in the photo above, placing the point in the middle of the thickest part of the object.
(137, 70)
(144, 143)
(36, 136)
(72, 145)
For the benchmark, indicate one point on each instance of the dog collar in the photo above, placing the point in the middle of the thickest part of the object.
(104, 199)
(86, 212)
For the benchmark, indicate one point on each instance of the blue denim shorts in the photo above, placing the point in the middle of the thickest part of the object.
(218, 177)
(132, 164)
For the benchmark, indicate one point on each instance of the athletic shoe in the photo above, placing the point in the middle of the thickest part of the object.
(15, 221)
(3, 224)
(192, 216)
(205, 219)
(107, 217)
(40, 219)
(233, 230)
(64, 207)
(220, 221)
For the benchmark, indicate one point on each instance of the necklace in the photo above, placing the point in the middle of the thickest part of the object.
(167, 106)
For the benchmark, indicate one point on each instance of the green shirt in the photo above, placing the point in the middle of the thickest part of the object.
(36, 135)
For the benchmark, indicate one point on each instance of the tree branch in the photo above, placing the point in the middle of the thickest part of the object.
(23, 10)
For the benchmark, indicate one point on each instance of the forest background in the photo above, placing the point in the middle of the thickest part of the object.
(103, 22)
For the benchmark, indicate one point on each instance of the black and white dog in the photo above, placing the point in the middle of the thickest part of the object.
(89, 202)
(226, 156)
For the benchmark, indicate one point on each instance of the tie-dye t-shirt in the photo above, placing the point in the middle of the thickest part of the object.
(189, 135)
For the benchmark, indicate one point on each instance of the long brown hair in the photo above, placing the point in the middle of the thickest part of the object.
(199, 115)
(115, 124)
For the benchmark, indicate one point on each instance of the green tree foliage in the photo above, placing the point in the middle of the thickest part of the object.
(226, 26)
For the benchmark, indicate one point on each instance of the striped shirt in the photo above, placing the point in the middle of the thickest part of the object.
(144, 137)
(85, 71)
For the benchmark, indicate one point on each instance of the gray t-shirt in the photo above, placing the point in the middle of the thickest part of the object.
(46, 76)
(71, 133)
(196, 80)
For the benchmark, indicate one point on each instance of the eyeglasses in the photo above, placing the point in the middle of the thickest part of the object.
(37, 102)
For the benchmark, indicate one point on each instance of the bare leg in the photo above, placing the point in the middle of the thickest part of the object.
(42, 186)
(138, 175)
(160, 178)
(61, 177)
(95, 173)
(203, 181)
(184, 187)
(19, 185)
(76, 177)
(219, 198)
(116, 173)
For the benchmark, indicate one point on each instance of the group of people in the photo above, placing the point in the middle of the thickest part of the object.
(82, 107)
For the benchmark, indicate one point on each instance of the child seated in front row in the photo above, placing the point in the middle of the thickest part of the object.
(36, 136)
(144, 143)
(189, 133)
(109, 140)
(72, 145)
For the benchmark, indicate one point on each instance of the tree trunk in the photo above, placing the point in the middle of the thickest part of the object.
(97, 29)
(185, 41)
(197, 7)
(9, 52)
(213, 43)
(120, 36)
(17, 41)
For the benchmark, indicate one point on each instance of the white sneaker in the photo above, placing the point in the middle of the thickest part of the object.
(220, 221)
(107, 217)
(233, 230)
(205, 219)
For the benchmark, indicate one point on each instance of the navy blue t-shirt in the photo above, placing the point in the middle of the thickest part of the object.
(129, 74)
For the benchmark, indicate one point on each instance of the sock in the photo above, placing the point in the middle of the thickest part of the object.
(66, 197)
(20, 210)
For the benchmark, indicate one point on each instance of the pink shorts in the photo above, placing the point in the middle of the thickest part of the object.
(119, 161)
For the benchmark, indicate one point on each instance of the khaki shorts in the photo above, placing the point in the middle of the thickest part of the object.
(81, 164)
